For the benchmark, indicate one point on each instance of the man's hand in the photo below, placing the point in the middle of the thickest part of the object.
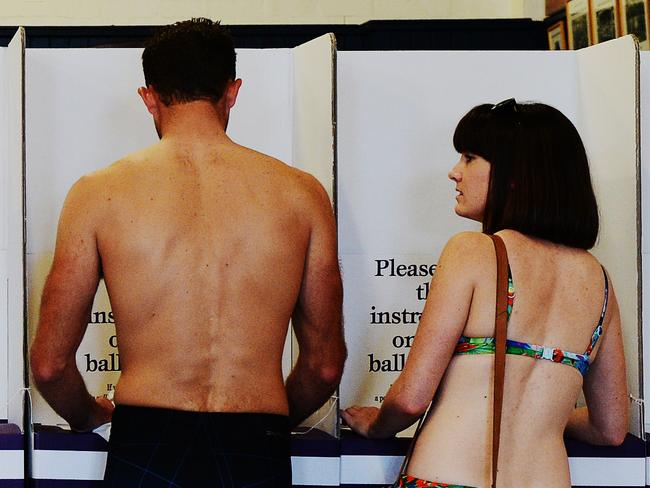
(101, 413)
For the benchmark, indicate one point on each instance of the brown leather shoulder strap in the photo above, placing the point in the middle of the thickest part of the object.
(500, 324)
(501, 320)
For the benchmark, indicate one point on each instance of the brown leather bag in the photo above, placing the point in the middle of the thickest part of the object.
(500, 324)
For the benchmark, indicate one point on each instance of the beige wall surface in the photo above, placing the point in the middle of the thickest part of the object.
(154, 12)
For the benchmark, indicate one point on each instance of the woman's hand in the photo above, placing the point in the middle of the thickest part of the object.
(360, 419)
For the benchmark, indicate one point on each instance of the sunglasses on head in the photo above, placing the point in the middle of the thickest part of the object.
(509, 104)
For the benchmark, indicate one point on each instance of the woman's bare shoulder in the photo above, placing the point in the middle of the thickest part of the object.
(468, 240)
(469, 254)
(469, 246)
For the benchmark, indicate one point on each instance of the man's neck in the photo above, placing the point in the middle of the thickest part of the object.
(193, 121)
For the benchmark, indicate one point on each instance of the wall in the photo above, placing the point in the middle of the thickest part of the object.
(153, 12)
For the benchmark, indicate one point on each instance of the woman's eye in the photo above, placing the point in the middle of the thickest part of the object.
(469, 157)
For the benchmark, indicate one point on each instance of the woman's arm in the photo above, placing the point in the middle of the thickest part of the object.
(442, 322)
(604, 420)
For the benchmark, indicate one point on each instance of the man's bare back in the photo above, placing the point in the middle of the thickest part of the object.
(207, 250)
(203, 251)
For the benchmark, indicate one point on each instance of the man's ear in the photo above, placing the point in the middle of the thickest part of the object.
(231, 92)
(150, 98)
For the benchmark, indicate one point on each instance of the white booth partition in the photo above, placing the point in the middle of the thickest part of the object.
(644, 105)
(315, 458)
(396, 116)
(12, 324)
(4, 231)
(608, 80)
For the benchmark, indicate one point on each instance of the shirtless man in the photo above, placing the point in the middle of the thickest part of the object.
(207, 249)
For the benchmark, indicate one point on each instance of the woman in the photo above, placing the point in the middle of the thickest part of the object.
(523, 173)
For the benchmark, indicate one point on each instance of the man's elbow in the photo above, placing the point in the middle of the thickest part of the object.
(614, 436)
(44, 370)
(330, 372)
(613, 430)
(617, 439)
(331, 376)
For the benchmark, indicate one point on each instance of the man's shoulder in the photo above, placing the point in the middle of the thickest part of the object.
(98, 183)
(128, 164)
(261, 161)
(305, 187)
(294, 179)
(134, 161)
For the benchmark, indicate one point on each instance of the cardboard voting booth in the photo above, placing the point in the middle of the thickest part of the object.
(397, 112)
(82, 113)
(644, 103)
(12, 325)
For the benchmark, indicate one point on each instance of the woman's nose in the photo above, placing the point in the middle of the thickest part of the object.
(454, 174)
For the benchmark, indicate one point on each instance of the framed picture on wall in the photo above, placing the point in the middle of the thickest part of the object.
(557, 36)
(604, 20)
(578, 24)
(634, 20)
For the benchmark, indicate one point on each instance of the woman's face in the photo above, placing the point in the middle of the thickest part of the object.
(472, 177)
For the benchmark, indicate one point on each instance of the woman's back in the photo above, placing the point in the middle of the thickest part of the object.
(559, 296)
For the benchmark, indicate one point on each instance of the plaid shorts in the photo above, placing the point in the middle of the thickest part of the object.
(156, 447)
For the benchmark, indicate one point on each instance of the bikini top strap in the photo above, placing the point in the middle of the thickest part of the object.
(511, 292)
(598, 331)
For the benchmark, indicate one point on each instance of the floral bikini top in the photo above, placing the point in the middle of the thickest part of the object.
(485, 345)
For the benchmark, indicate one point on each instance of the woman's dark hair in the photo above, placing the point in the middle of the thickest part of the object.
(189, 60)
(539, 173)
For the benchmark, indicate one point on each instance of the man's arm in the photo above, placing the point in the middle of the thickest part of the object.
(316, 319)
(65, 310)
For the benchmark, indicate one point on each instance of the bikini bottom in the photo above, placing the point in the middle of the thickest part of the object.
(406, 481)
